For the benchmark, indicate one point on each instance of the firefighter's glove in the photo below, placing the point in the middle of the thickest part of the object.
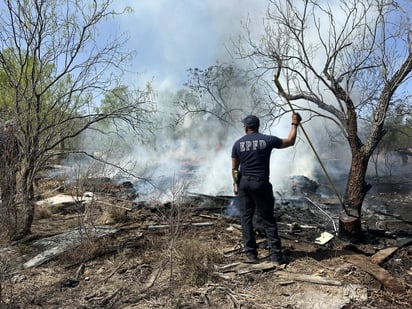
(236, 180)
(236, 177)
(296, 119)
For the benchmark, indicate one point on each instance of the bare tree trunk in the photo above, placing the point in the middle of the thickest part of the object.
(9, 215)
(350, 222)
(17, 208)
(27, 197)
(10, 206)
(17, 202)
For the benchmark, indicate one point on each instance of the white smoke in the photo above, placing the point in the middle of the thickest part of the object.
(170, 37)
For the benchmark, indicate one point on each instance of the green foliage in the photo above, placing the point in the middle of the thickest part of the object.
(53, 71)
(398, 132)
(118, 97)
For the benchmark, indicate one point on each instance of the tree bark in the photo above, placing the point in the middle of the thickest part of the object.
(21, 208)
(27, 195)
(350, 227)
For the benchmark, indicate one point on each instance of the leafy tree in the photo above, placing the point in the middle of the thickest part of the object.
(223, 91)
(396, 144)
(53, 70)
(344, 61)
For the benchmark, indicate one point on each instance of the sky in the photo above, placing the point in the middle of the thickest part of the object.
(172, 36)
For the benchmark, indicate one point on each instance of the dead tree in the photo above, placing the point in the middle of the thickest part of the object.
(345, 62)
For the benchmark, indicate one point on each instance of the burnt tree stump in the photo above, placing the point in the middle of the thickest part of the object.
(350, 227)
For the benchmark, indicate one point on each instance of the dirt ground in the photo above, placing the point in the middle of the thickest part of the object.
(187, 254)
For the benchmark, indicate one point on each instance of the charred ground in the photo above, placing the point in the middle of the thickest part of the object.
(187, 254)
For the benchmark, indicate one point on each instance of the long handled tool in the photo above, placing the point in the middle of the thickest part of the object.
(283, 94)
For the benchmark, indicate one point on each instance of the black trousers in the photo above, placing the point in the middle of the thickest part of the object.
(257, 195)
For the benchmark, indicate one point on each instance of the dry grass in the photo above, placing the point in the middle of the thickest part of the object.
(196, 259)
(42, 212)
(89, 248)
(172, 266)
(114, 213)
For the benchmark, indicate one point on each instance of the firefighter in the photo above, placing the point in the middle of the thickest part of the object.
(250, 172)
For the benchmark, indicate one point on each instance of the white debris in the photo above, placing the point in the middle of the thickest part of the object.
(60, 199)
(324, 238)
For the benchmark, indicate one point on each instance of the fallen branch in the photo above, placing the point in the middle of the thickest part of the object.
(113, 205)
(107, 299)
(237, 300)
(308, 278)
(382, 275)
(112, 273)
(245, 268)
(49, 192)
(153, 277)
(383, 254)
(216, 217)
(162, 226)
(60, 243)
(226, 267)
(80, 271)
